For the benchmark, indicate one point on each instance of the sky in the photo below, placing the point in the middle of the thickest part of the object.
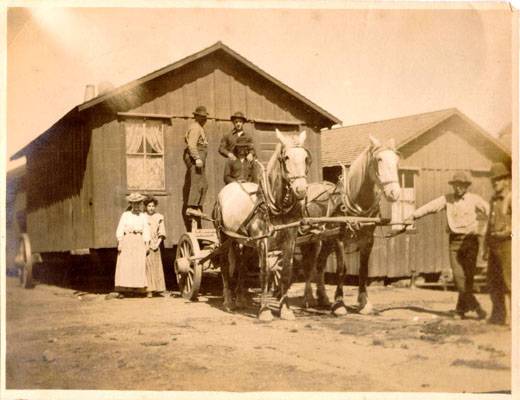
(361, 65)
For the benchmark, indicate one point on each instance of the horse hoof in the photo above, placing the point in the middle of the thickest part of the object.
(339, 309)
(287, 314)
(309, 303)
(228, 307)
(367, 309)
(265, 315)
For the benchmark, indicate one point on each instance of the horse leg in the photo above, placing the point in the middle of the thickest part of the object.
(339, 308)
(364, 304)
(309, 256)
(227, 269)
(242, 265)
(285, 282)
(321, 263)
(264, 313)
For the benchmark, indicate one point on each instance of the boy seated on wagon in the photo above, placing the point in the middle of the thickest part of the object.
(240, 169)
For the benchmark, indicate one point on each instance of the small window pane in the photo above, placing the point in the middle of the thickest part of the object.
(154, 174)
(134, 137)
(134, 172)
(408, 179)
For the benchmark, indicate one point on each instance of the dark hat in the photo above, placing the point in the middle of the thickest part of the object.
(460, 177)
(499, 170)
(150, 199)
(238, 115)
(201, 110)
(135, 198)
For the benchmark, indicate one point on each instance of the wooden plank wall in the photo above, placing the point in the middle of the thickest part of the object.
(59, 214)
(220, 85)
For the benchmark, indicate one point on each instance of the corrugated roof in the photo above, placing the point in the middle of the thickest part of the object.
(219, 46)
(346, 143)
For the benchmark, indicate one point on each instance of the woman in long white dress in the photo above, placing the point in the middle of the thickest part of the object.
(154, 266)
(133, 238)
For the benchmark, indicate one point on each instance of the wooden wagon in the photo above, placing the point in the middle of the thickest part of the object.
(198, 249)
(79, 171)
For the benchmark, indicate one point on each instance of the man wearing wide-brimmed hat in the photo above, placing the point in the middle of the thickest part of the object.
(463, 211)
(228, 142)
(498, 239)
(195, 183)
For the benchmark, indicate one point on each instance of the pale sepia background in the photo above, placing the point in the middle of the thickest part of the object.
(361, 65)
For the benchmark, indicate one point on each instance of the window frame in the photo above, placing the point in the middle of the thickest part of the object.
(401, 203)
(142, 121)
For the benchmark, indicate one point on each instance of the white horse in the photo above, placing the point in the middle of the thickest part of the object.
(357, 194)
(245, 214)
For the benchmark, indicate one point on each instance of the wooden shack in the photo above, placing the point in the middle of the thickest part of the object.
(132, 139)
(433, 147)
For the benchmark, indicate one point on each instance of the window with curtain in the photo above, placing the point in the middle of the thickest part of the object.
(144, 154)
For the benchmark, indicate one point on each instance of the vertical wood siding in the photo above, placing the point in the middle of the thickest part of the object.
(59, 217)
(220, 85)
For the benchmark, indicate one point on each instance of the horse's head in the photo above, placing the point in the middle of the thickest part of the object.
(384, 168)
(295, 160)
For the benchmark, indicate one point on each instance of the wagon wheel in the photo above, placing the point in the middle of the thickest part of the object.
(24, 261)
(187, 269)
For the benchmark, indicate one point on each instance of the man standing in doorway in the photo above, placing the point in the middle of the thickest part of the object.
(195, 183)
(229, 140)
(499, 241)
(462, 211)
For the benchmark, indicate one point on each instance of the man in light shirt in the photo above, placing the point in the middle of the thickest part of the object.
(463, 210)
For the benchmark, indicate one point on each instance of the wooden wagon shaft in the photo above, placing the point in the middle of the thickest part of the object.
(343, 220)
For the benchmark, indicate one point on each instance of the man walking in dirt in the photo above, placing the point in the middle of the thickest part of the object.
(463, 210)
(498, 239)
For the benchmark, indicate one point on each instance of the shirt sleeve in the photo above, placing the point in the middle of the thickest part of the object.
(228, 174)
(482, 205)
(192, 138)
(120, 231)
(223, 149)
(433, 206)
(161, 229)
(252, 145)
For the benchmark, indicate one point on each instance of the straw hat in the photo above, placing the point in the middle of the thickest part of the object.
(135, 198)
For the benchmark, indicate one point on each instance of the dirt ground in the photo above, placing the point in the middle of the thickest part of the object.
(61, 339)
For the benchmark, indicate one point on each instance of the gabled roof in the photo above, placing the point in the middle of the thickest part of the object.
(346, 143)
(219, 46)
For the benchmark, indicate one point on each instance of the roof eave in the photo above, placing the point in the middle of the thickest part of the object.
(23, 151)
